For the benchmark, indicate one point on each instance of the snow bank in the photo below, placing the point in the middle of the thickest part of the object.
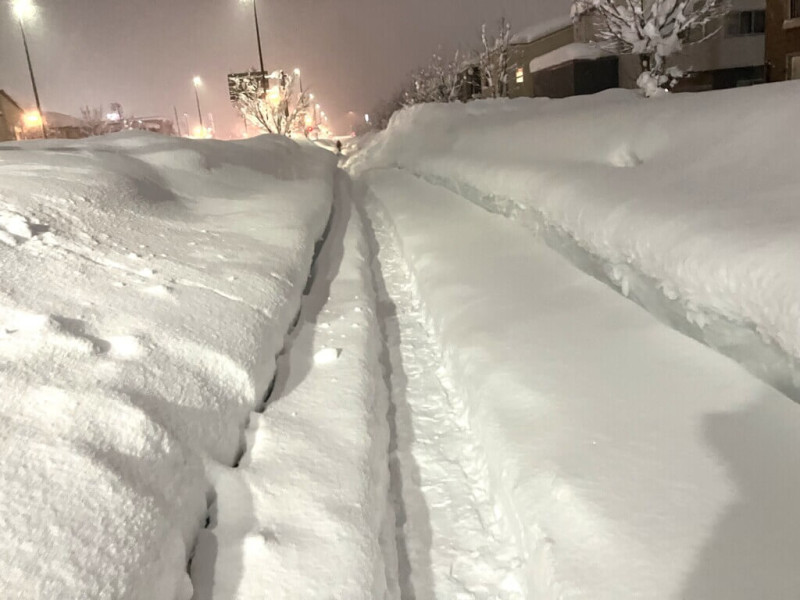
(575, 51)
(631, 461)
(690, 199)
(146, 285)
(305, 515)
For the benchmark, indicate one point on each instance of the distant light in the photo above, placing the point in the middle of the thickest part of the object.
(23, 9)
(297, 72)
(201, 132)
(317, 106)
(274, 96)
(32, 119)
(113, 116)
(311, 96)
(366, 118)
(197, 81)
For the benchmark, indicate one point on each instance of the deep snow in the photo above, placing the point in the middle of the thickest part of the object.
(630, 461)
(306, 513)
(687, 203)
(146, 285)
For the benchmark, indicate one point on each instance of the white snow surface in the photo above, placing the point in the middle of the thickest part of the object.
(630, 460)
(574, 51)
(306, 513)
(146, 286)
(696, 194)
(545, 26)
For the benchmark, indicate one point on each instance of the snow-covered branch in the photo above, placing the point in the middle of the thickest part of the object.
(655, 29)
(279, 108)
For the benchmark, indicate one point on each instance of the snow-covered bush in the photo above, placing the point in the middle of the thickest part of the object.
(280, 108)
(655, 29)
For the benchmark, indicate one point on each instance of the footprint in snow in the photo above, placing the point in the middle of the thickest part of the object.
(327, 355)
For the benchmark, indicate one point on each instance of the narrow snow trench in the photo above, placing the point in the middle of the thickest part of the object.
(450, 543)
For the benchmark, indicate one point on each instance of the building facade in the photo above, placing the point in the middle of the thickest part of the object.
(11, 115)
(559, 62)
(783, 39)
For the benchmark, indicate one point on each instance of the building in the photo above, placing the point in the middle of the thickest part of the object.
(783, 40)
(557, 59)
(11, 115)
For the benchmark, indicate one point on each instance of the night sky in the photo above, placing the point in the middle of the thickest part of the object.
(143, 53)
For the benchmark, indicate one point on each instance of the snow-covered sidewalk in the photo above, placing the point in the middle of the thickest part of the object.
(306, 513)
(450, 543)
(146, 285)
(632, 461)
(688, 204)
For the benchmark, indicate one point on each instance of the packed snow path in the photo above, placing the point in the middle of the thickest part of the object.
(450, 543)
(306, 512)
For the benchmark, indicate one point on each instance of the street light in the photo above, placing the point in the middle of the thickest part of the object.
(24, 9)
(197, 82)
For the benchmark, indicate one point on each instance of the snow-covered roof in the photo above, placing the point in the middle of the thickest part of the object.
(56, 119)
(575, 51)
(541, 29)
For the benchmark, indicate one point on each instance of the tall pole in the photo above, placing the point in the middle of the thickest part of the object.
(33, 79)
(199, 112)
(177, 122)
(258, 36)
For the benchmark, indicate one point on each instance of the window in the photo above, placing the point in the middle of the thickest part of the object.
(746, 22)
(794, 9)
(793, 72)
(520, 75)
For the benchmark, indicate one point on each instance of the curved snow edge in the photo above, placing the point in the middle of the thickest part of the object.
(742, 341)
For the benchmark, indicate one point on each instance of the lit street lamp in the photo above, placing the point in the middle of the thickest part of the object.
(24, 9)
(197, 82)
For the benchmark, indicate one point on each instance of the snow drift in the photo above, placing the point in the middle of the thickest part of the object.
(146, 285)
(686, 203)
(629, 460)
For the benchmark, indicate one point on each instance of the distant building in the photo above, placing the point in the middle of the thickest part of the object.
(557, 59)
(11, 115)
(783, 39)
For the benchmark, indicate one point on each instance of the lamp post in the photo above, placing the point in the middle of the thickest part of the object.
(300, 79)
(22, 10)
(197, 81)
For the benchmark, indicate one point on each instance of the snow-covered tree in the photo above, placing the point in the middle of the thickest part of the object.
(493, 61)
(655, 29)
(93, 121)
(279, 108)
(438, 81)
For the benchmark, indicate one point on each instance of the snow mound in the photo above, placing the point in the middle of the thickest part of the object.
(704, 227)
(146, 285)
(628, 460)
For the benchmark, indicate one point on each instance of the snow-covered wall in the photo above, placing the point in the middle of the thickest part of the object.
(146, 285)
(688, 202)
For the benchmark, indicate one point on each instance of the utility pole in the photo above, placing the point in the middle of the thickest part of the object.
(177, 122)
(197, 81)
(22, 9)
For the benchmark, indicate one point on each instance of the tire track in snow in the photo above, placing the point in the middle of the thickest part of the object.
(450, 543)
